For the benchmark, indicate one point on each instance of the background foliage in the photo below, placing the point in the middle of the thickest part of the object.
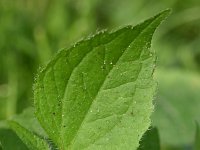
(32, 30)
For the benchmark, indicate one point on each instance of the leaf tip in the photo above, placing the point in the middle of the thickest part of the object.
(165, 13)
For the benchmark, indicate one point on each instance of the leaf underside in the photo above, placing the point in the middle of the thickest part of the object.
(98, 94)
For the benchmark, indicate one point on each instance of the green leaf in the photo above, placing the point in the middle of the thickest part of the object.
(27, 120)
(150, 140)
(29, 130)
(9, 140)
(98, 94)
(32, 141)
(197, 138)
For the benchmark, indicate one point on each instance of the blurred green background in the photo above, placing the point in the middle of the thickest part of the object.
(31, 32)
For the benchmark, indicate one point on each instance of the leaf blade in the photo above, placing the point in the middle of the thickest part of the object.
(117, 61)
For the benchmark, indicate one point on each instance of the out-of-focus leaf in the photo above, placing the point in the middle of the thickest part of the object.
(150, 140)
(177, 106)
(1, 148)
(2, 108)
(197, 138)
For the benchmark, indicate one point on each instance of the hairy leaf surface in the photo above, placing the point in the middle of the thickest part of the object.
(98, 94)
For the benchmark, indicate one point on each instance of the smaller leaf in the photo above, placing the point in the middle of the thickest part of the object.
(32, 141)
(150, 140)
(197, 138)
(28, 121)
(9, 140)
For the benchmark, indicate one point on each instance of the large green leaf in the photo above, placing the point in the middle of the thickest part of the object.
(150, 140)
(98, 94)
